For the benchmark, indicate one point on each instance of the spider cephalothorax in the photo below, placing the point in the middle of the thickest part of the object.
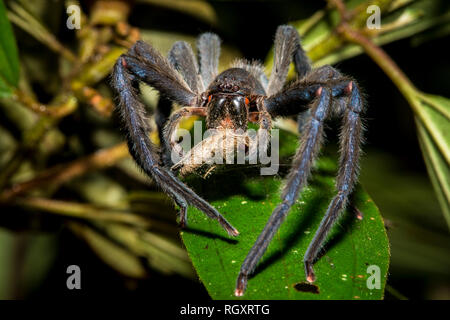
(229, 101)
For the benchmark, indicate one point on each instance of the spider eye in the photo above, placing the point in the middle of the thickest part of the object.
(209, 98)
(246, 101)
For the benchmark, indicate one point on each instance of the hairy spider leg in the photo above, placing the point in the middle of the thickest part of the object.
(287, 48)
(350, 141)
(162, 115)
(183, 59)
(174, 121)
(265, 125)
(208, 45)
(149, 66)
(301, 168)
(144, 63)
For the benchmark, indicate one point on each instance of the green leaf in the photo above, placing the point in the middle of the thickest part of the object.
(110, 252)
(433, 125)
(9, 60)
(247, 199)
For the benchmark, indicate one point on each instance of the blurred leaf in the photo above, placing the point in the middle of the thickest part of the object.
(158, 251)
(200, 9)
(131, 250)
(417, 231)
(434, 136)
(24, 119)
(25, 260)
(112, 254)
(44, 10)
(9, 59)
(40, 255)
(6, 245)
(7, 146)
(433, 34)
(101, 190)
(98, 70)
(435, 115)
(247, 202)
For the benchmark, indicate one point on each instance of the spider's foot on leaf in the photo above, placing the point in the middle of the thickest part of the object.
(232, 231)
(359, 214)
(240, 285)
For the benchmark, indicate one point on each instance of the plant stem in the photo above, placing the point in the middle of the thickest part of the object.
(56, 111)
(381, 58)
(62, 173)
(414, 97)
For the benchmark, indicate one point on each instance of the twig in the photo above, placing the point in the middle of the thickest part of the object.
(63, 173)
(55, 111)
(99, 103)
(356, 18)
(96, 71)
(380, 57)
(340, 7)
(33, 136)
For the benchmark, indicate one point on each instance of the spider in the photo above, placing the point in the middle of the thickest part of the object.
(230, 100)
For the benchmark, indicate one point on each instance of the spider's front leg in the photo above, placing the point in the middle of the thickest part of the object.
(144, 63)
(171, 127)
(182, 59)
(327, 99)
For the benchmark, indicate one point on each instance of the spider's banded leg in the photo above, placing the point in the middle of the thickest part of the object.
(184, 61)
(351, 137)
(287, 48)
(146, 64)
(162, 114)
(323, 75)
(301, 62)
(143, 151)
(172, 125)
(311, 141)
(182, 58)
(208, 45)
(295, 99)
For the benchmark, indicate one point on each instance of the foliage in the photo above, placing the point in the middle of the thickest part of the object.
(247, 200)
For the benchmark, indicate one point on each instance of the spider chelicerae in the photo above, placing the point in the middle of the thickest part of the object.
(230, 100)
